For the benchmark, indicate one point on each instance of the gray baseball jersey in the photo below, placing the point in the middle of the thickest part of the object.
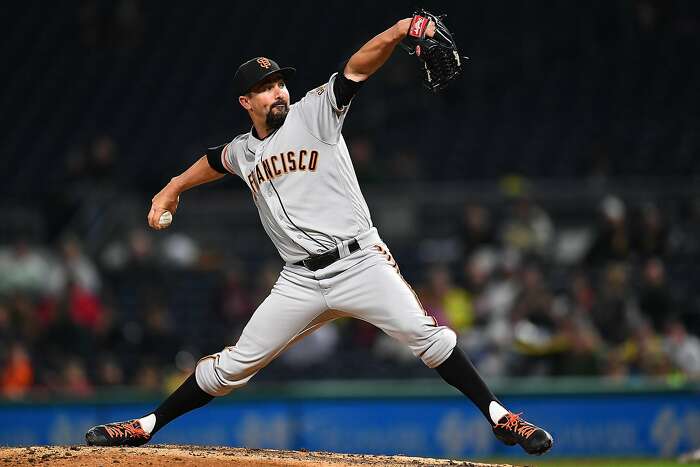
(302, 179)
(304, 186)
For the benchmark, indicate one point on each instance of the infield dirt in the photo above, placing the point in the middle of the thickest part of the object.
(170, 455)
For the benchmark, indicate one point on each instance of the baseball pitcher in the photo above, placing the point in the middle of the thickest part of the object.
(298, 169)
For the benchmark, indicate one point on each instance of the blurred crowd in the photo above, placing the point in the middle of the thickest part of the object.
(591, 92)
(531, 300)
(526, 294)
(61, 331)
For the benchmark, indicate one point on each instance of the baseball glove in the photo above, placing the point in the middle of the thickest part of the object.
(438, 54)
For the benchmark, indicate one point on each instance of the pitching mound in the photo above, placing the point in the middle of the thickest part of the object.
(167, 455)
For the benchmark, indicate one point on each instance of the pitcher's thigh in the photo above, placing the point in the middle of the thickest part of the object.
(380, 295)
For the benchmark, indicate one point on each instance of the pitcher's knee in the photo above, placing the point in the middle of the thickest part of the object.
(222, 372)
(438, 347)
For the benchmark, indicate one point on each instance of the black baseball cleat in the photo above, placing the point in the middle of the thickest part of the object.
(512, 430)
(117, 434)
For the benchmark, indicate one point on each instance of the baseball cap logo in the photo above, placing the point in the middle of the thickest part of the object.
(264, 62)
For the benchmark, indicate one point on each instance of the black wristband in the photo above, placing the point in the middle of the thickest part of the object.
(214, 159)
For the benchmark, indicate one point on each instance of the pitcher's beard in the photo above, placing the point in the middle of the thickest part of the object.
(275, 120)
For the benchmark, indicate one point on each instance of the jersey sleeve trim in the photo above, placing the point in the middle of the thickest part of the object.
(225, 161)
(331, 95)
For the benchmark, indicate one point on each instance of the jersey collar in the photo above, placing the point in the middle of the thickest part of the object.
(254, 141)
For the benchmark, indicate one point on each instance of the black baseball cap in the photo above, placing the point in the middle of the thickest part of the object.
(255, 70)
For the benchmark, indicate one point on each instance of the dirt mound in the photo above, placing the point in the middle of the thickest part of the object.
(169, 455)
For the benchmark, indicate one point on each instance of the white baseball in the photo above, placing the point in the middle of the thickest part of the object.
(165, 219)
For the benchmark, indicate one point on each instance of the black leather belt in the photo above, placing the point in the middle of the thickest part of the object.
(314, 263)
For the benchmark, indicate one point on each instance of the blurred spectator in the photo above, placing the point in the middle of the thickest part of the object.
(5, 327)
(159, 341)
(17, 375)
(389, 349)
(179, 250)
(527, 227)
(81, 306)
(356, 334)
(687, 230)
(74, 266)
(616, 368)
(23, 269)
(497, 278)
(91, 168)
(612, 241)
(23, 317)
(479, 269)
(404, 165)
(650, 238)
(109, 371)
(655, 301)
(314, 348)
(236, 305)
(107, 334)
(581, 344)
(103, 159)
(683, 349)
(582, 293)
(62, 335)
(136, 253)
(492, 281)
(614, 313)
(538, 330)
(446, 302)
(74, 379)
(582, 339)
(534, 303)
(644, 353)
(477, 229)
(149, 377)
(85, 306)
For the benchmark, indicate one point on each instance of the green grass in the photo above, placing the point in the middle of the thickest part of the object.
(610, 462)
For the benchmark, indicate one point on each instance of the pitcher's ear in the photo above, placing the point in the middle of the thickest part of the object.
(245, 102)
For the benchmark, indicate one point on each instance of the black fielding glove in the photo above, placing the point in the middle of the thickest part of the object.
(441, 60)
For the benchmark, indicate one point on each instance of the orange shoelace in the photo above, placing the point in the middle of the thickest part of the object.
(517, 425)
(126, 430)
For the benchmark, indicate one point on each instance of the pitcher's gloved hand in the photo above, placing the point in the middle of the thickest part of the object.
(436, 50)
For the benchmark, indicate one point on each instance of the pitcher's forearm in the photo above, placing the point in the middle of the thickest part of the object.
(199, 173)
(376, 52)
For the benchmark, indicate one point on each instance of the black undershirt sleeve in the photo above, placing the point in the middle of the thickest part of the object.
(214, 159)
(344, 89)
